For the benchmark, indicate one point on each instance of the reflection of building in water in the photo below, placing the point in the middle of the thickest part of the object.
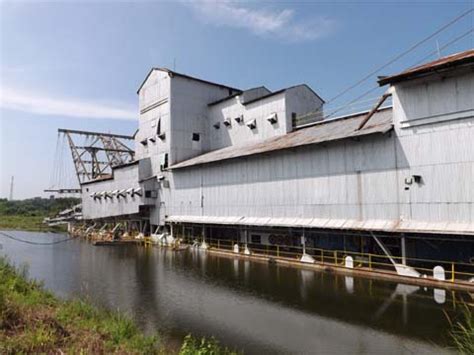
(263, 168)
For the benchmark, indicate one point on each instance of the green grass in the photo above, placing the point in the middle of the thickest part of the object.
(462, 332)
(203, 346)
(33, 320)
(27, 223)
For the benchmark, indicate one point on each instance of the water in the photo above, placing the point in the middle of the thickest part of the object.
(252, 306)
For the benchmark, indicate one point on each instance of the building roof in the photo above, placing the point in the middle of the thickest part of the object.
(283, 90)
(454, 60)
(174, 73)
(236, 94)
(320, 132)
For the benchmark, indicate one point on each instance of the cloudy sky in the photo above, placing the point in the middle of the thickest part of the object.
(77, 65)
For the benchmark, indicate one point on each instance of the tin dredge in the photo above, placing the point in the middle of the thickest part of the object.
(387, 192)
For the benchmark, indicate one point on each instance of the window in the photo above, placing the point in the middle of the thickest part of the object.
(273, 118)
(158, 127)
(159, 133)
(144, 142)
(256, 238)
(151, 194)
(196, 137)
(163, 161)
(227, 122)
(252, 124)
(217, 125)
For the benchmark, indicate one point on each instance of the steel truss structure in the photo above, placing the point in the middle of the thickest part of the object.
(96, 159)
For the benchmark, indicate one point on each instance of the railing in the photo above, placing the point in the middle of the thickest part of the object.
(454, 271)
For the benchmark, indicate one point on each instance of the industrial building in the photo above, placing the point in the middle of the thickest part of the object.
(264, 168)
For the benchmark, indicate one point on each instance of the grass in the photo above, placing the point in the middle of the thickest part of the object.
(32, 320)
(27, 223)
(462, 332)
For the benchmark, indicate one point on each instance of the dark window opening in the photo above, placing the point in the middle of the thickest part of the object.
(164, 161)
(256, 239)
(196, 137)
(158, 127)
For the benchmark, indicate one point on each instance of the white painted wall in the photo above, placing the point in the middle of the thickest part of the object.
(434, 122)
(190, 114)
(239, 133)
(124, 178)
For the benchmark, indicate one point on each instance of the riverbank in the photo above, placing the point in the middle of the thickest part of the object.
(33, 320)
(28, 215)
(28, 223)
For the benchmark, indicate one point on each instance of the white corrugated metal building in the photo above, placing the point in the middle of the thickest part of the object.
(213, 155)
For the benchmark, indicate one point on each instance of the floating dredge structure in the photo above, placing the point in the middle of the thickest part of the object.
(386, 191)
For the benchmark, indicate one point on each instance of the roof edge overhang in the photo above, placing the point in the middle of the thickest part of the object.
(431, 68)
(172, 73)
(371, 225)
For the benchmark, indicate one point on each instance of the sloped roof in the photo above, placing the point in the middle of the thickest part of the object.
(320, 132)
(283, 90)
(454, 60)
(174, 73)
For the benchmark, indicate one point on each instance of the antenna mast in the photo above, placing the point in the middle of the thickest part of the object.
(11, 189)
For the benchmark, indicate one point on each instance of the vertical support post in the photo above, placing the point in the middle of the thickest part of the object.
(204, 244)
(370, 261)
(303, 242)
(335, 257)
(403, 246)
(246, 250)
(172, 230)
(322, 256)
(452, 272)
(278, 250)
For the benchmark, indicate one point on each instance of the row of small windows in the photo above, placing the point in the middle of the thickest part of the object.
(158, 133)
(252, 124)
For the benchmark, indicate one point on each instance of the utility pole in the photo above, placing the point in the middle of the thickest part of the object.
(11, 189)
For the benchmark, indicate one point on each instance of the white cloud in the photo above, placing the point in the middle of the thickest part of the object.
(264, 22)
(46, 105)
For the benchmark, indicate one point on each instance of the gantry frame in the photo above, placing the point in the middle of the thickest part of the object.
(87, 162)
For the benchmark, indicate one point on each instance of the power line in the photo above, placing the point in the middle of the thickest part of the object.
(368, 76)
(444, 46)
(34, 243)
(454, 40)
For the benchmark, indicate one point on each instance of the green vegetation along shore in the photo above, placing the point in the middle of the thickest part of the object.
(28, 214)
(32, 320)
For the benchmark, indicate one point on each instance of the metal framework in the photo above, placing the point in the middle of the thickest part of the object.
(96, 159)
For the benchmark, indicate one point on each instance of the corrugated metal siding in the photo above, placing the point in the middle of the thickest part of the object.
(381, 122)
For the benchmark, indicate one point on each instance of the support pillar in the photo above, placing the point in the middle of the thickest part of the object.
(204, 244)
(403, 248)
(305, 258)
(246, 250)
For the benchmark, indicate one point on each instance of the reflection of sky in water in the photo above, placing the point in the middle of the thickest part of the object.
(249, 305)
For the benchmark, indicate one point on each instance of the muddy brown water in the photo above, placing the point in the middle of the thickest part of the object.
(250, 306)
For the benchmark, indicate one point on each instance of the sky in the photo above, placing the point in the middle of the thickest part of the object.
(78, 65)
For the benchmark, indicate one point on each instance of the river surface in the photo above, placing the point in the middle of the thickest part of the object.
(246, 305)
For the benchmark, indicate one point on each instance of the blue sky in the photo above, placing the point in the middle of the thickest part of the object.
(78, 64)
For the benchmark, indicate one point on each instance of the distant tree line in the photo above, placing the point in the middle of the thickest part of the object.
(36, 206)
